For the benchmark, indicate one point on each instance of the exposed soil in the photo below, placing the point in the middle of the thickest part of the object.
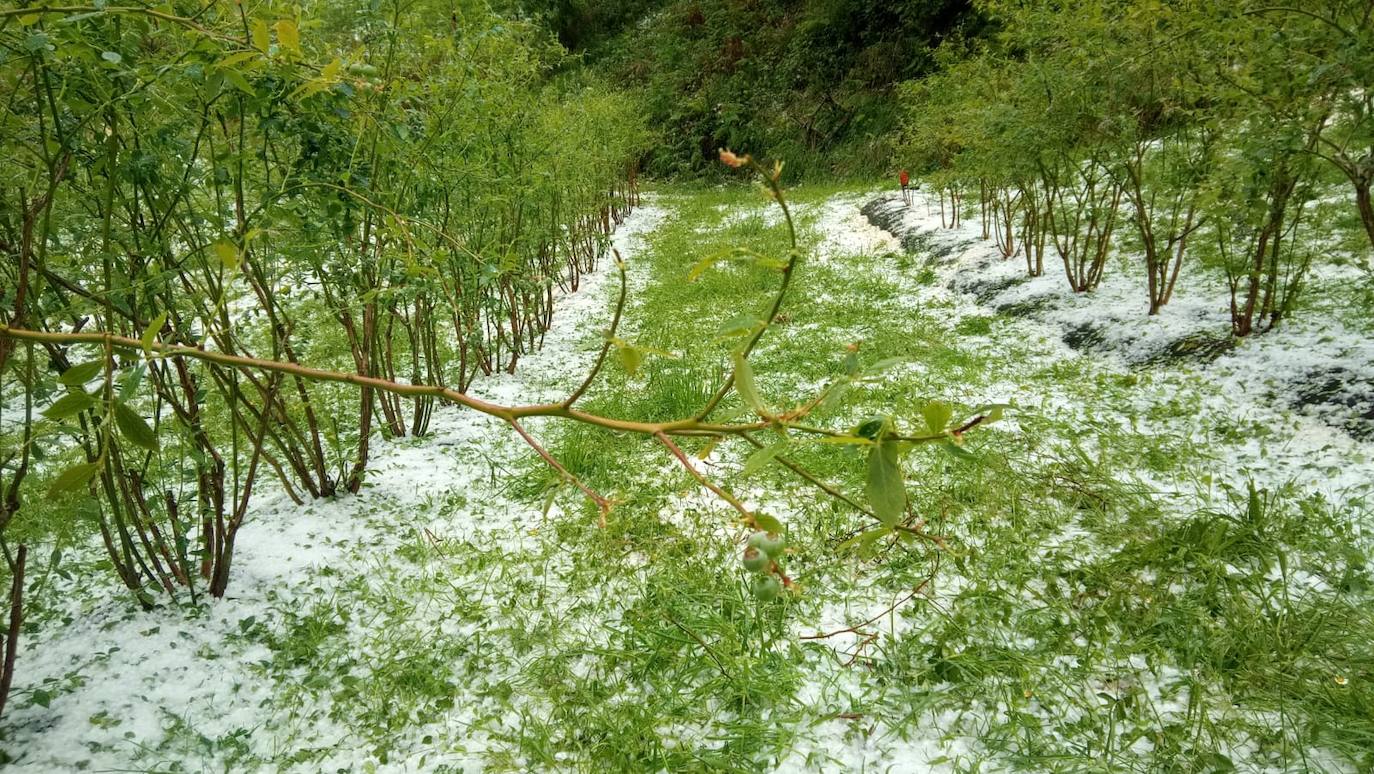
(1194, 348)
(984, 288)
(1342, 398)
(1084, 337)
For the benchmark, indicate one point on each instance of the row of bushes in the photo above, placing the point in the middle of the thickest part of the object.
(395, 190)
(1199, 132)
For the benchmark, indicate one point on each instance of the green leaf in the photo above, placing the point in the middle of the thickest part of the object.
(761, 457)
(73, 478)
(873, 427)
(550, 496)
(631, 357)
(734, 253)
(129, 384)
(833, 395)
(740, 325)
(78, 375)
(851, 363)
(937, 415)
(36, 42)
(236, 79)
(150, 333)
(747, 387)
(885, 487)
(845, 440)
(869, 543)
(288, 36)
(236, 59)
(957, 451)
(657, 352)
(227, 254)
(69, 405)
(767, 523)
(865, 542)
(701, 266)
(134, 428)
(262, 38)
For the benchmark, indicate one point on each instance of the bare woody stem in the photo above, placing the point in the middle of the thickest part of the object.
(610, 336)
(16, 624)
(793, 255)
(688, 426)
(510, 414)
(504, 413)
(811, 479)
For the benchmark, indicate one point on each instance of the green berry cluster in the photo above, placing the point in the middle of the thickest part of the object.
(761, 555)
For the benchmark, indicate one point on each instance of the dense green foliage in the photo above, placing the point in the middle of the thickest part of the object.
(810, 82)
(232, 234)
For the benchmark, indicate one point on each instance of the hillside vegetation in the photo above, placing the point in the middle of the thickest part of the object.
(811, 82)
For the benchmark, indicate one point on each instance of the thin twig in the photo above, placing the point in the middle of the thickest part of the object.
(856, 627)
(859, 649)
(793, 255)
(721, 493)
(16, 624)
(801, 472)
(969, 425)
(720, 666)
(435, 541)
(602, 504)
(610, 335)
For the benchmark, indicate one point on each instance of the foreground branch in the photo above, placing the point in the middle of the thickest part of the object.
(504, 413)
(704, 481)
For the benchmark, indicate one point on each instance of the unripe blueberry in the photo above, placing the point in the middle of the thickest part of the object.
(769, 543)
(755, 560)
(767, 588)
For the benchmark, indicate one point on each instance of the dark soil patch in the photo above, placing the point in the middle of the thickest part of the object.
(985, 289)
(1341, 397)
(945, 252)
(918, 244)
(1027, 307)
(889, 215)
(1200, 347)
(1084, 337)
